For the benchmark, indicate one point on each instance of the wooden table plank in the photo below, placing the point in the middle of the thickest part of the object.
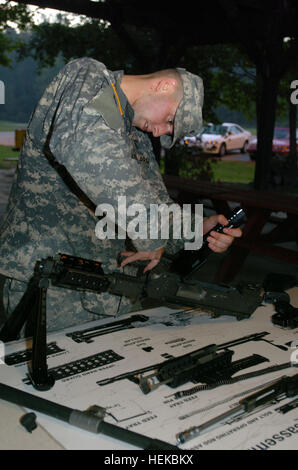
(258, 205)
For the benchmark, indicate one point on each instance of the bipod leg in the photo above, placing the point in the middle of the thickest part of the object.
(38, 370)
(12, 327)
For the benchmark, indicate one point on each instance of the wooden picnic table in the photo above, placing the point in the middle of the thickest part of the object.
(259, 206)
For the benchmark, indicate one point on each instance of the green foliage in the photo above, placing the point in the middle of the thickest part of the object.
(188, 162)
(23, 86)
(17, 14)
(228, 75)
(7, 153)
(92, 38)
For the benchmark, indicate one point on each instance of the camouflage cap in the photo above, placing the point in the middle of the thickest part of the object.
(188, 118)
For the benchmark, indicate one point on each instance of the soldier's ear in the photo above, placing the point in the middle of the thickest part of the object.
(165, 85)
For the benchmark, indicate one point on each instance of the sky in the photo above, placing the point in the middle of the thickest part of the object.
(50, 14)
(40, 14)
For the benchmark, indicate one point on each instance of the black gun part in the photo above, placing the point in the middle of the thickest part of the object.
(286, 316)
(285, 386)
(275, 285)
(161, 288)
(230, 381)
(87, 335)
(292, 405)
(91, 420)
(153, 289)
(186, 263)
(203, 363)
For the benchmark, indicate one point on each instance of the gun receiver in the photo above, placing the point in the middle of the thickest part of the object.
(202, 365)
(152, 289)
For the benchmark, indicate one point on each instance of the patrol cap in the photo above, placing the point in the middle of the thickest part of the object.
(188, 118)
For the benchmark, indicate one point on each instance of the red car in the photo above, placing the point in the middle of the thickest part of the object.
(280, 143)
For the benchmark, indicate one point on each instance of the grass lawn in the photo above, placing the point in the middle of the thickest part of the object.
(230, 171)
(233, 171)
(7, 152)
(7, 126)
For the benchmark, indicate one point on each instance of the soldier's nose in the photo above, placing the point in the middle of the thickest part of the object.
(157, 131)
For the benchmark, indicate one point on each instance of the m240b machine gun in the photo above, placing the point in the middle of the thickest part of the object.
(168, 284)
(159, 287)
(165, 285)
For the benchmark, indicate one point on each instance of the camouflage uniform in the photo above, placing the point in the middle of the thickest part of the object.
(106, 156)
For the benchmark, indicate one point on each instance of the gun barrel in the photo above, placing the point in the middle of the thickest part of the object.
(33, 402)
(195, 431)
(243, 339)
(284, 385)
(82, 419)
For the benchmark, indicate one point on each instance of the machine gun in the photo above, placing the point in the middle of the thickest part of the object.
(165, 285)
(163, 288)
(159, 287)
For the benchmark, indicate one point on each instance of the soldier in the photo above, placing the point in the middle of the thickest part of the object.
(89, 130)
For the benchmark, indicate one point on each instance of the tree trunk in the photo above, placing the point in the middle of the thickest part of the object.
(291, 171)
(267, 87)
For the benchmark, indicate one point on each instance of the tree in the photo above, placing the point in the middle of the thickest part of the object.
(21, 17)
(93, 38)
(259, 27)
(272, 57)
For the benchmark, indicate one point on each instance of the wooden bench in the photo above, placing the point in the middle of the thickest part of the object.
(258, 205)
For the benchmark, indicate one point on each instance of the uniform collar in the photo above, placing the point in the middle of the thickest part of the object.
(128, 112)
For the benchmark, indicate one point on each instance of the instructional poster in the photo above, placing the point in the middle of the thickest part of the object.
(113, 364)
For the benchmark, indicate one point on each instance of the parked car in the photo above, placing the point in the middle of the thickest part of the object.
(191, 141)
(220, 138)
(280, 143)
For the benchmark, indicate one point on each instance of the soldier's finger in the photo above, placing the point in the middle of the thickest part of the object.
(234, 232)
(151, 265)
(130, 259)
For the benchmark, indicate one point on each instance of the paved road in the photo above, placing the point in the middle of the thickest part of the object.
(7, 138)
(235, 155)
(232, 155)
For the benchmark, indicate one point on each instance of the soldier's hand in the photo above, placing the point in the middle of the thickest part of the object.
(152, 256)
(220, 242)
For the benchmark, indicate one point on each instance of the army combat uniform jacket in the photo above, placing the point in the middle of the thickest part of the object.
(93, 137)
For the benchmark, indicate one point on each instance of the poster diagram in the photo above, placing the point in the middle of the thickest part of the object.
(127, 366)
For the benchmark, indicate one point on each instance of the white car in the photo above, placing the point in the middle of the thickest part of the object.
(192, 141)
(220, 138)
